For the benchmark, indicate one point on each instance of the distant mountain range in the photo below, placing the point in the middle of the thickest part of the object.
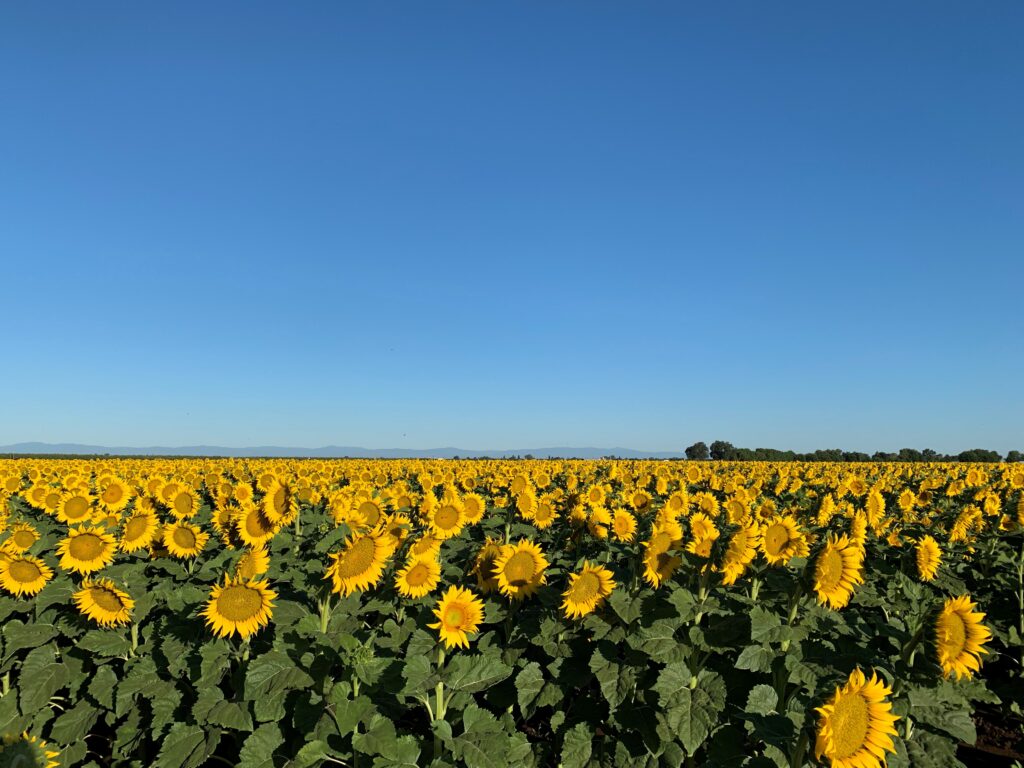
(333, 451)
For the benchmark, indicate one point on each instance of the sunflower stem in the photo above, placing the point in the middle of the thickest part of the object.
(797, 759)
(325, 612)
(755, 588)
(5, 684)
(439, 704)
(135, 637)
(298, 527)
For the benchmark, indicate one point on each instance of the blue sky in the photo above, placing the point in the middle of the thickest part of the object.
(513, 225)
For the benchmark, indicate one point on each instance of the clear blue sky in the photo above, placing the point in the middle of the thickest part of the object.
(501, 225)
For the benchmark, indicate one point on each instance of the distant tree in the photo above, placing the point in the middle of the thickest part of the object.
(722, 451)
(1014, 456)
(910, 454)
(528, 457)
(979, 454)
(698, 452)
(855, 456)
(929, 455)
(883, 456)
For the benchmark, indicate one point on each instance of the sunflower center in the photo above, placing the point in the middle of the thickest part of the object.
(106, 599)
(136, 528)
(184, 537)
(775, 539)
(954, 634)
(544, 513)
(454, 615)
(52, 500)
(447, 517)
(357, 559)
(247, 566)
(659, 544)
(418, 575)
(849, 723)
(23, 571)
(239, 603)
(86, 547)
(23, 539)
(112, 494)
(183, 504)
(472, 507)
(830, 569)
(254, 524)
(76, 508)
(520, 569)
(586, 587)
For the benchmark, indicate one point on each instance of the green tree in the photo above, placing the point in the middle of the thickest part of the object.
(698, 452)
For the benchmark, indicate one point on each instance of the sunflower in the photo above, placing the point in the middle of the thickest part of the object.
(623, 525)
(639, 500)
(184, 503)
(587, 590)
(30, 751)
(446, 521)
(239, 606)
(545, 512)
(458, 613)
(86, 550)
(139, 530)
(659, 562)
(598, 522)
(369, 512)
(280, 505)
(425, 546)
(740, 552)
(253, 526)
(960, 637)
(184, 540)
(360, 564)
(483, 565)
(114, 493)
(75, 507)
(783, 540)
(519, 569)
(703, 534)
(22, 536)
(397, 527)
(419, 577)
(837, 571)
(254, 562)
(857, 724)
(929, 557)
(473, 508)
(104, 603)
(24, 575)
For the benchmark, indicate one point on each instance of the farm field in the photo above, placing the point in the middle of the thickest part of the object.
(478, 613)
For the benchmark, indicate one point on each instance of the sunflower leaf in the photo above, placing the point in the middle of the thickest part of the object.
(258, 749)
(577, 746)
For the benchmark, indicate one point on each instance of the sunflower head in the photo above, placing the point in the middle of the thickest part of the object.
(960, 637)
(239, 606)
(184, 540)
(254, 562)
(24, 575)
(87, 549)
(459, 613)
(928, 556)
(21, 537)
(837, 571)
(29, 751)
(519, 569)
(101, 601)
(418, 578)
(587, 590)
(360, 563)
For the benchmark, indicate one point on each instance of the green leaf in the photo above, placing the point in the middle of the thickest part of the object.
(690, 713)
(311, 754)
(18, 635)
(419, 675)
(755, 658)
(102, 686)
(626, 608)
(258, 750)
(672, 679)
(185, 746)
(577, 746)
(74, 724)
(39, 679)
(105, 642)
(529, 682)
(762, 700)
(475, 673)
(273, 672)
(763, 624)
(390, 750)
(231, 715)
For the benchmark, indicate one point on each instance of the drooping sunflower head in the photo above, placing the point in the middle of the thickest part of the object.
(783, 540)
(742, 549)
(587, 590)
(28, 751)
(139, 530)
(857, 724)
(360, 564)
(837, 571)
(928, 556)
(519, 569)
(960, 637)
(483, 565)
(660, 560)
(459, 613)
(101, 601)
(24, 575)
(419, 577)
(239, 606)
(87, 549)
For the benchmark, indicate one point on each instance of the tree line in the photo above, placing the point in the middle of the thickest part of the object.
(720, 450)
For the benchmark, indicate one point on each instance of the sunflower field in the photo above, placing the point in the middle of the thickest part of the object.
(386, 614)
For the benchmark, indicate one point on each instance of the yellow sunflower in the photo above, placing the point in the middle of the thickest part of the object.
(459, 613)
(545, 512)
(741, 551)
(446, 520)
(425, 546)
(184, 503)
(783, 540)
(483, 565)
(280, 505)
(837, 571)
(473, 508)
(24, 575)
(703, 535)
(75, 507)
(419, 577)
(360, 564)
(929, 557)
(623, 525)
(239, 606)
(101, 601)
(29, 751)
(857, 724)
(252, 525)
(184, 540)
(87, 550)
(659, 562)
(587, 590)
(254, 562)
(519, 569)
(397, 526)
(22, 537)
(114, 493)
(139, 530)
(960, 637)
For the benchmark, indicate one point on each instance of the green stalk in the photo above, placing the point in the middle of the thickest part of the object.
(325, 612)
(298, 527)
(1020, 599)
(439, 704)
(135, 637)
